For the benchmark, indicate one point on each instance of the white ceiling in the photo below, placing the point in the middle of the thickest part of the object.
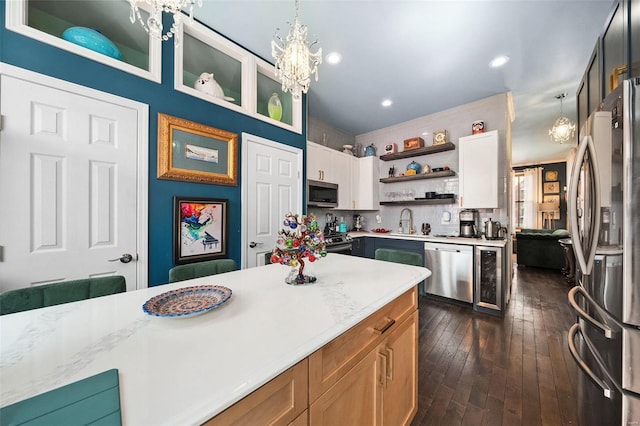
(428, 56)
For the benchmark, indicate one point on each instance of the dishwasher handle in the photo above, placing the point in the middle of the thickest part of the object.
(452, 249)
(442, 249)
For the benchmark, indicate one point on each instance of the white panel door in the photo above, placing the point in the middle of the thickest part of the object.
(271, 187)
(68, 185)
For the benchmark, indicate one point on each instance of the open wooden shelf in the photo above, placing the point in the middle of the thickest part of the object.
(419, 202)
(447, 146)
(432, 175)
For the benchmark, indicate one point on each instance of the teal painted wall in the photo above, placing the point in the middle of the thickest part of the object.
(27, 53)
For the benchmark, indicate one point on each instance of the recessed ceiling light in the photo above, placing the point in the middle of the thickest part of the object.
(333, 58)
(498, 61)
(387, 102)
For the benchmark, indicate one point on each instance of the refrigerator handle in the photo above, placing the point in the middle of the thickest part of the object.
(595, 235)
(573, 205)
(585, 263)
(606, 331)
(608, 393)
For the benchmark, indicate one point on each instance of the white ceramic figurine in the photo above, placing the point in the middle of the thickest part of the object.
(207, 84)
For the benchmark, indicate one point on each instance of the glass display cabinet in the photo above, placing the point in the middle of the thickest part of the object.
(46, 21)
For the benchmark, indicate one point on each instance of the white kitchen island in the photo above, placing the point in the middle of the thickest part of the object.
(179, 371)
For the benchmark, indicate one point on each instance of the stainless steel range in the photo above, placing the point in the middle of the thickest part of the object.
(338, 242)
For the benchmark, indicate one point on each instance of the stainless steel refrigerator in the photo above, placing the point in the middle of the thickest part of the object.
(604, 212)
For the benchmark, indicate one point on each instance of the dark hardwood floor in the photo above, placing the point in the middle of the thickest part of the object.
(476, 369)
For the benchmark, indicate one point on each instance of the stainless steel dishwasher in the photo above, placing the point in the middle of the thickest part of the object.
(451, 267)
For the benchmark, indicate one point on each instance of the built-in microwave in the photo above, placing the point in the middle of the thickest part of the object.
(322, 194)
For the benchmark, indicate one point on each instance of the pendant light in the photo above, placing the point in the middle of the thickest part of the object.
(563, 129)
(153, 24)
(295, 63)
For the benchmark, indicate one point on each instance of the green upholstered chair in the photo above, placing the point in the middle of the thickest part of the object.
(91, 401)
(201, 269)
(24, 299)
(399, 256)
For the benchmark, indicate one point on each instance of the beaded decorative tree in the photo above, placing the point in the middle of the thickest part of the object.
(300, 238)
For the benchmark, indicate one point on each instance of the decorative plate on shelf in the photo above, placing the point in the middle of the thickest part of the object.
(187, 301)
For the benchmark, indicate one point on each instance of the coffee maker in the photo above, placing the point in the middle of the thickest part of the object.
(469, 222)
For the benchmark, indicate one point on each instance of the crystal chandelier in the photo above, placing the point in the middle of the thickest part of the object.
(294, 60)
(563, 129)
(153, 24)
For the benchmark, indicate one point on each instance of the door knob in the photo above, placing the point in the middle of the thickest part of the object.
(125, 258)
(253, 244)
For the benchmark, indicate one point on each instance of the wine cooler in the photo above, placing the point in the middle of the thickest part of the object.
(488, 279)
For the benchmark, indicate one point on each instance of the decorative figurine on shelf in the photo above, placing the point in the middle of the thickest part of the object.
(392, 171)
(370, 151)
(477, 127)
(413, 167)
(300, 238)
(207, 84)
(440, 137)
(274, 107)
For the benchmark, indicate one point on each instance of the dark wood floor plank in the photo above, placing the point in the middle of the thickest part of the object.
(472, 415)
(481, 382)
(492, 415)
(530, 392)
(455, 368)
(498, 383)
(454, 414)
(481, 369)
(438, 408)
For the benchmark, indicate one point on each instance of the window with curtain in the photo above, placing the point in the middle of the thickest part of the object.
(518, 201)
(526, 186)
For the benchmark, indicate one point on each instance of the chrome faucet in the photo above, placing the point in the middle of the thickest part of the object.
(409, 228)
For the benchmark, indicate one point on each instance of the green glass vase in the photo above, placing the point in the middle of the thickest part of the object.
(275, 107)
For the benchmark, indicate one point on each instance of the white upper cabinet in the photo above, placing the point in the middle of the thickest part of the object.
(329, 165)
(365, 183)
(241, 81)
(342, 164)
(478, 170)
(357, 178)
(46, 21)
(319, 162)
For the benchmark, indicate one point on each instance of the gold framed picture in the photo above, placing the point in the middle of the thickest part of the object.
(193, 152)
(551, 187)
(551, 176)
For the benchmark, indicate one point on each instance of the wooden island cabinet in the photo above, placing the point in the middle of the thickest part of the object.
(367, 375)
(341, 351)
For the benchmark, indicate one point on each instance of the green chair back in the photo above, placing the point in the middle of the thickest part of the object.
(201, 269)
(91, 401)
(399, 256)
(24, 299)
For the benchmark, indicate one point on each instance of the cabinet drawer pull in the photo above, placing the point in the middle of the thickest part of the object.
(383, 370)
(387, 326)
(390, 368)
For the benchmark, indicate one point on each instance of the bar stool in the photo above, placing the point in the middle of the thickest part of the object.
(569, 270)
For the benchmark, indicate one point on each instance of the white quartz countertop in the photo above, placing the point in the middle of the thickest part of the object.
(181, 371)
(430, 238)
